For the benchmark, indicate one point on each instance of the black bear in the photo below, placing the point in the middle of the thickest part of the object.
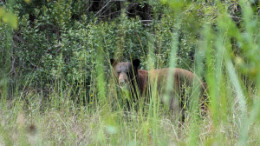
(140, 81)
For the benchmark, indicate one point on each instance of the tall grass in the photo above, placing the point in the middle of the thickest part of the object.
(34, 118)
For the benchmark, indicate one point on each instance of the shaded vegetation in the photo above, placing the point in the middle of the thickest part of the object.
(56, 85)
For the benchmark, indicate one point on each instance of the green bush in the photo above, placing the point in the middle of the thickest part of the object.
(61, 53)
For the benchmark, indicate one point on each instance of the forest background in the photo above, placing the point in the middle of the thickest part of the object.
(55, 75)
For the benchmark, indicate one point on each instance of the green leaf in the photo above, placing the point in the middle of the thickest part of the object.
(8, 18)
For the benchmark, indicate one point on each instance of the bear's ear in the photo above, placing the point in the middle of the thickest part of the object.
(136, 63)
(113, 62)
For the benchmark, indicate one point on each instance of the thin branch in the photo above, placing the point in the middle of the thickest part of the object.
(103, 7)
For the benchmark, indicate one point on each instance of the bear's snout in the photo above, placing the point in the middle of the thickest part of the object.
(122, 78)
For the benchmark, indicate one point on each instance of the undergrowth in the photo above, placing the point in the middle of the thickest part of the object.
(61, 91)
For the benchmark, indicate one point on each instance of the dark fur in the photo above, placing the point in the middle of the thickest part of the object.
(140, 77)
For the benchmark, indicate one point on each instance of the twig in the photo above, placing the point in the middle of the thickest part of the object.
(103, 7)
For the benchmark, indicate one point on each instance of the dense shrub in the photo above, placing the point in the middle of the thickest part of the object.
(50, 45)
(58, 40)
(60, 52)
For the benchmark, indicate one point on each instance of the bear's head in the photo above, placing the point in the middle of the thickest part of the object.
(125, 72)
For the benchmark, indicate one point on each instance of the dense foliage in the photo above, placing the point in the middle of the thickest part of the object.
(60, 49)
(49, 42)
